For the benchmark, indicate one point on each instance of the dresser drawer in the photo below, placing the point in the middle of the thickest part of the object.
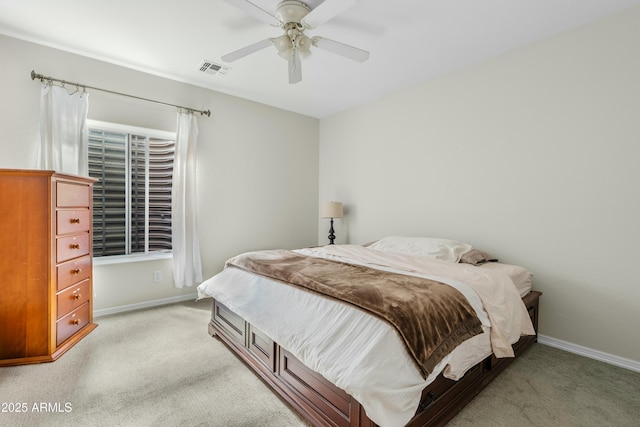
(73, 297)
(72, 247)
(72, 195)
(72, 221)
(73, 272)
(72, 323)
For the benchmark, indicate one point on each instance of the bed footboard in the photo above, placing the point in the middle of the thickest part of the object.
(322, 403)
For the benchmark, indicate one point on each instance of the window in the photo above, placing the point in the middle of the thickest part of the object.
(132, 197)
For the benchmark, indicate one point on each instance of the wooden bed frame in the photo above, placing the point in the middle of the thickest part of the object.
(323, 404)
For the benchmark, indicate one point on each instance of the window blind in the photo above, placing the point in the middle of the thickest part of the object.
(161, 155)
(108, 163)
(132, 198)
(138, 166)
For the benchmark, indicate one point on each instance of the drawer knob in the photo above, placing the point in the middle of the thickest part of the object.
(76, 296)
(431, 396)
(74, 246)
(76, 271)
(74, 220)
(76, 321)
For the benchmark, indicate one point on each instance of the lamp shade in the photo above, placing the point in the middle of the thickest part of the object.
(331, 210)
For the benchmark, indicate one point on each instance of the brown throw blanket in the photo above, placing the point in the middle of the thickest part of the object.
(432, 318)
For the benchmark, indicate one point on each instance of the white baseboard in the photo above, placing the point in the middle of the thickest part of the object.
(146, 304)
(611, 359)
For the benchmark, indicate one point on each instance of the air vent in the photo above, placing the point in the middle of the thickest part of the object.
(211, 67)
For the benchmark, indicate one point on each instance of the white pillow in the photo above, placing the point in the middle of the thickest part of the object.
(448, 250)
(521, 277)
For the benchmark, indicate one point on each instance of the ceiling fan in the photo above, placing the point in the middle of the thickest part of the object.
(294, 17)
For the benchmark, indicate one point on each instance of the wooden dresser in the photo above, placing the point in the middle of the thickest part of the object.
(46, 290)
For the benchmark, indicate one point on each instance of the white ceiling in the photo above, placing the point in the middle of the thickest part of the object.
(410, 41)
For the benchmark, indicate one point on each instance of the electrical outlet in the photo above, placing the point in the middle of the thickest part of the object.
(157, 276)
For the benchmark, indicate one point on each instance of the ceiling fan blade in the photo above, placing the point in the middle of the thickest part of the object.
(341, 49)
(295, 67)
(325, 11)
(247, 50)
(255, 11)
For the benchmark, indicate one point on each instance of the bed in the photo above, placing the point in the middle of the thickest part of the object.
(340, 360)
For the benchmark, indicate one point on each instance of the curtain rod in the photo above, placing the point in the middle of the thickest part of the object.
(42, 78)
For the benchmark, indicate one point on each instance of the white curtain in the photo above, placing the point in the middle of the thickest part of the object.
(63, 132)
(187, 268)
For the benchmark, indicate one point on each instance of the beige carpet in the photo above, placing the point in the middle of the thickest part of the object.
(159, 367)
(550, 387)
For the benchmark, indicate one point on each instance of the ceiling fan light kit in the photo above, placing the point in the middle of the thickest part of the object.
(294, 17)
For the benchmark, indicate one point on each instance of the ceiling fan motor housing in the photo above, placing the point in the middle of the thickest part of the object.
(292, 11)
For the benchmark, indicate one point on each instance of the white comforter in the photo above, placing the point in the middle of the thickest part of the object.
(360, 353)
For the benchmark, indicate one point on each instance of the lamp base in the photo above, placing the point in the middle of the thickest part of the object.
(332, 236)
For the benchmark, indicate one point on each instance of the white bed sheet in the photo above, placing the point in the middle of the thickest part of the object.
(357, 352)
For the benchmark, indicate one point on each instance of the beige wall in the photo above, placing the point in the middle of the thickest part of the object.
(257, 165)
(532, 156)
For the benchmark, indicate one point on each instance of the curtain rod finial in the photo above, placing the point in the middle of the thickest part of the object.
(35, 75)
